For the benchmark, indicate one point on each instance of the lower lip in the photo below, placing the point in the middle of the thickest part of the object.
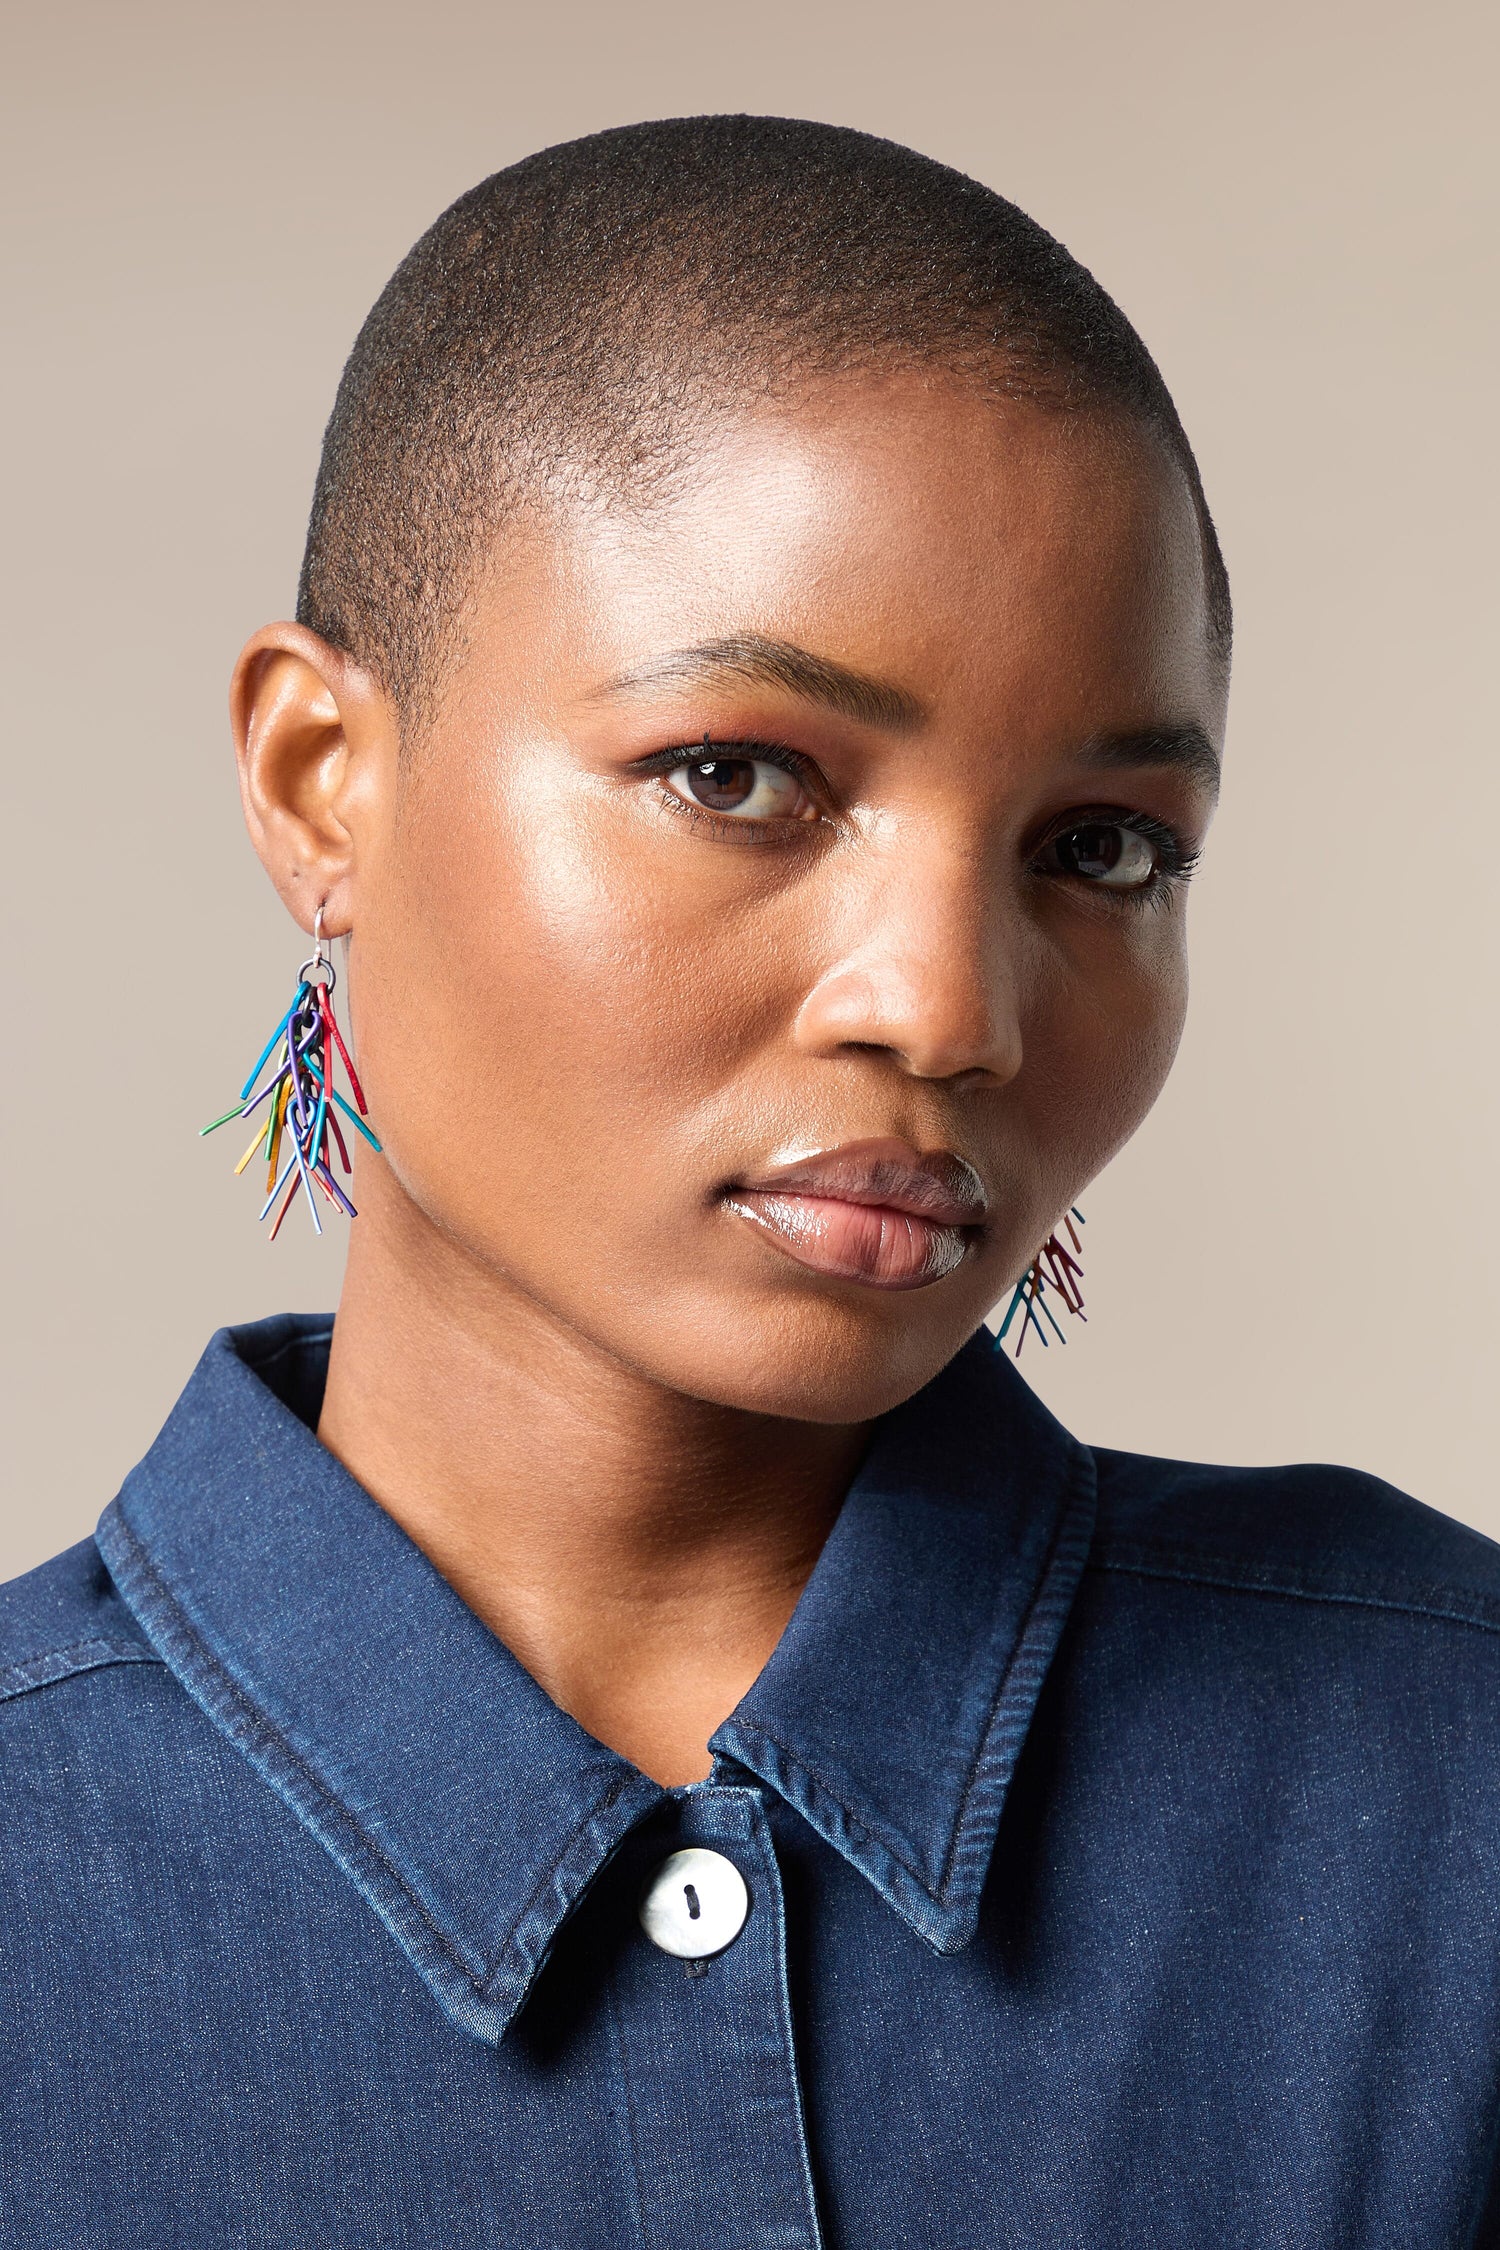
(866, 1242)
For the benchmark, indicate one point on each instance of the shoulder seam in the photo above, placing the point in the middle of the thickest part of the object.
(1445, 1604)
(56, 1664)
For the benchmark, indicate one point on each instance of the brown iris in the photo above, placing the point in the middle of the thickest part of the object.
(722, 784)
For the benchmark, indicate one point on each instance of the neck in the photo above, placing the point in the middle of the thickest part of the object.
(640, 1552)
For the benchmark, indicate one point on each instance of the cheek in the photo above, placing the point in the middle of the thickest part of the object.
(1099, 1049)
(546, 1000)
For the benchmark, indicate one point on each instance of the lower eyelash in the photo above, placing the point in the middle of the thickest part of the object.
(1160, 894)
(741, 831)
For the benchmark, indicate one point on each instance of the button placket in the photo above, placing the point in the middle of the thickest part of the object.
(709, 2056)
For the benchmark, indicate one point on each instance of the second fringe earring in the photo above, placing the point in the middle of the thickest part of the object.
(1054, 1273)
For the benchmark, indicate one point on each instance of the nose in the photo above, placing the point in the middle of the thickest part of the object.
(929, 973)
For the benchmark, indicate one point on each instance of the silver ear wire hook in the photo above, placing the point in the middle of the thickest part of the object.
(319, 959)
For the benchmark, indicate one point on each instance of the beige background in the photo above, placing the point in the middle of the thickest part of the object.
(1292, 200)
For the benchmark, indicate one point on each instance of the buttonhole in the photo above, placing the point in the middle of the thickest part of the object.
(694, 1909)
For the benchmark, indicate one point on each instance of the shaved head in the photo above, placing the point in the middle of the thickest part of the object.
(575, 324)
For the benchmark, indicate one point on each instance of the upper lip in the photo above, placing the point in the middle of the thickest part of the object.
(939, 1187)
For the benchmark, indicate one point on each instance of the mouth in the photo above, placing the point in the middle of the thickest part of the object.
(877, 1212)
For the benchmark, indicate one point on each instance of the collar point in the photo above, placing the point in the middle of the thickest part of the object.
(946, 1927)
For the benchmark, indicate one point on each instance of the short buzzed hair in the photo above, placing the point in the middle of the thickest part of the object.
(569, 323)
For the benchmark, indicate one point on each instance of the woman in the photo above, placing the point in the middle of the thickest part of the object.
(643, 1730)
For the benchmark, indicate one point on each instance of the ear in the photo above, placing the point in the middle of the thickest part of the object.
(316, 741)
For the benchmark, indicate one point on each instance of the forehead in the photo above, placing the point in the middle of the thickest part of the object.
(980, 552)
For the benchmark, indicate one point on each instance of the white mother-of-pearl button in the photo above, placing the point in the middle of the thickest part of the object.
(695, 1904)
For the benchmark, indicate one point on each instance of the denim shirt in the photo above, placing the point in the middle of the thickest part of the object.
(1120, 1840)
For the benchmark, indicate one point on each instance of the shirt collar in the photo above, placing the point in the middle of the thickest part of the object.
(470, 1811)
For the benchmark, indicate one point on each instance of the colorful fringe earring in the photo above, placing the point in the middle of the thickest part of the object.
(1055, 1270)
(300, 1099)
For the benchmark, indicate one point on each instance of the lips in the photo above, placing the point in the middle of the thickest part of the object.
(877, 1212)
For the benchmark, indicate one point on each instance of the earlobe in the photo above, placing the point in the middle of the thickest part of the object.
(313, 737)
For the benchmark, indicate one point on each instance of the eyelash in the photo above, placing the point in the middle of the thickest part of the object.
(1177, 860)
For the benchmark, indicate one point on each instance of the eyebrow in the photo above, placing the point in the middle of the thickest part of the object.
(781, 664)
(1187, 748)
(856, 695)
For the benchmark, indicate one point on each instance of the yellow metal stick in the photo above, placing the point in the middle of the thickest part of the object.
(278, 1118)
(254, 1145)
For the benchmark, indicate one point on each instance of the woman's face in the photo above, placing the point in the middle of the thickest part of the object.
(782, 919)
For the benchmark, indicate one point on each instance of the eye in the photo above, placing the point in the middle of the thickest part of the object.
(747, 788)
(1106, 853)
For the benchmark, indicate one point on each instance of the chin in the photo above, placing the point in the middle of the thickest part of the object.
(805, 1356)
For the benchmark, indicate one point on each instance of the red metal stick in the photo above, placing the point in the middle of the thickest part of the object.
(343, 1050)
